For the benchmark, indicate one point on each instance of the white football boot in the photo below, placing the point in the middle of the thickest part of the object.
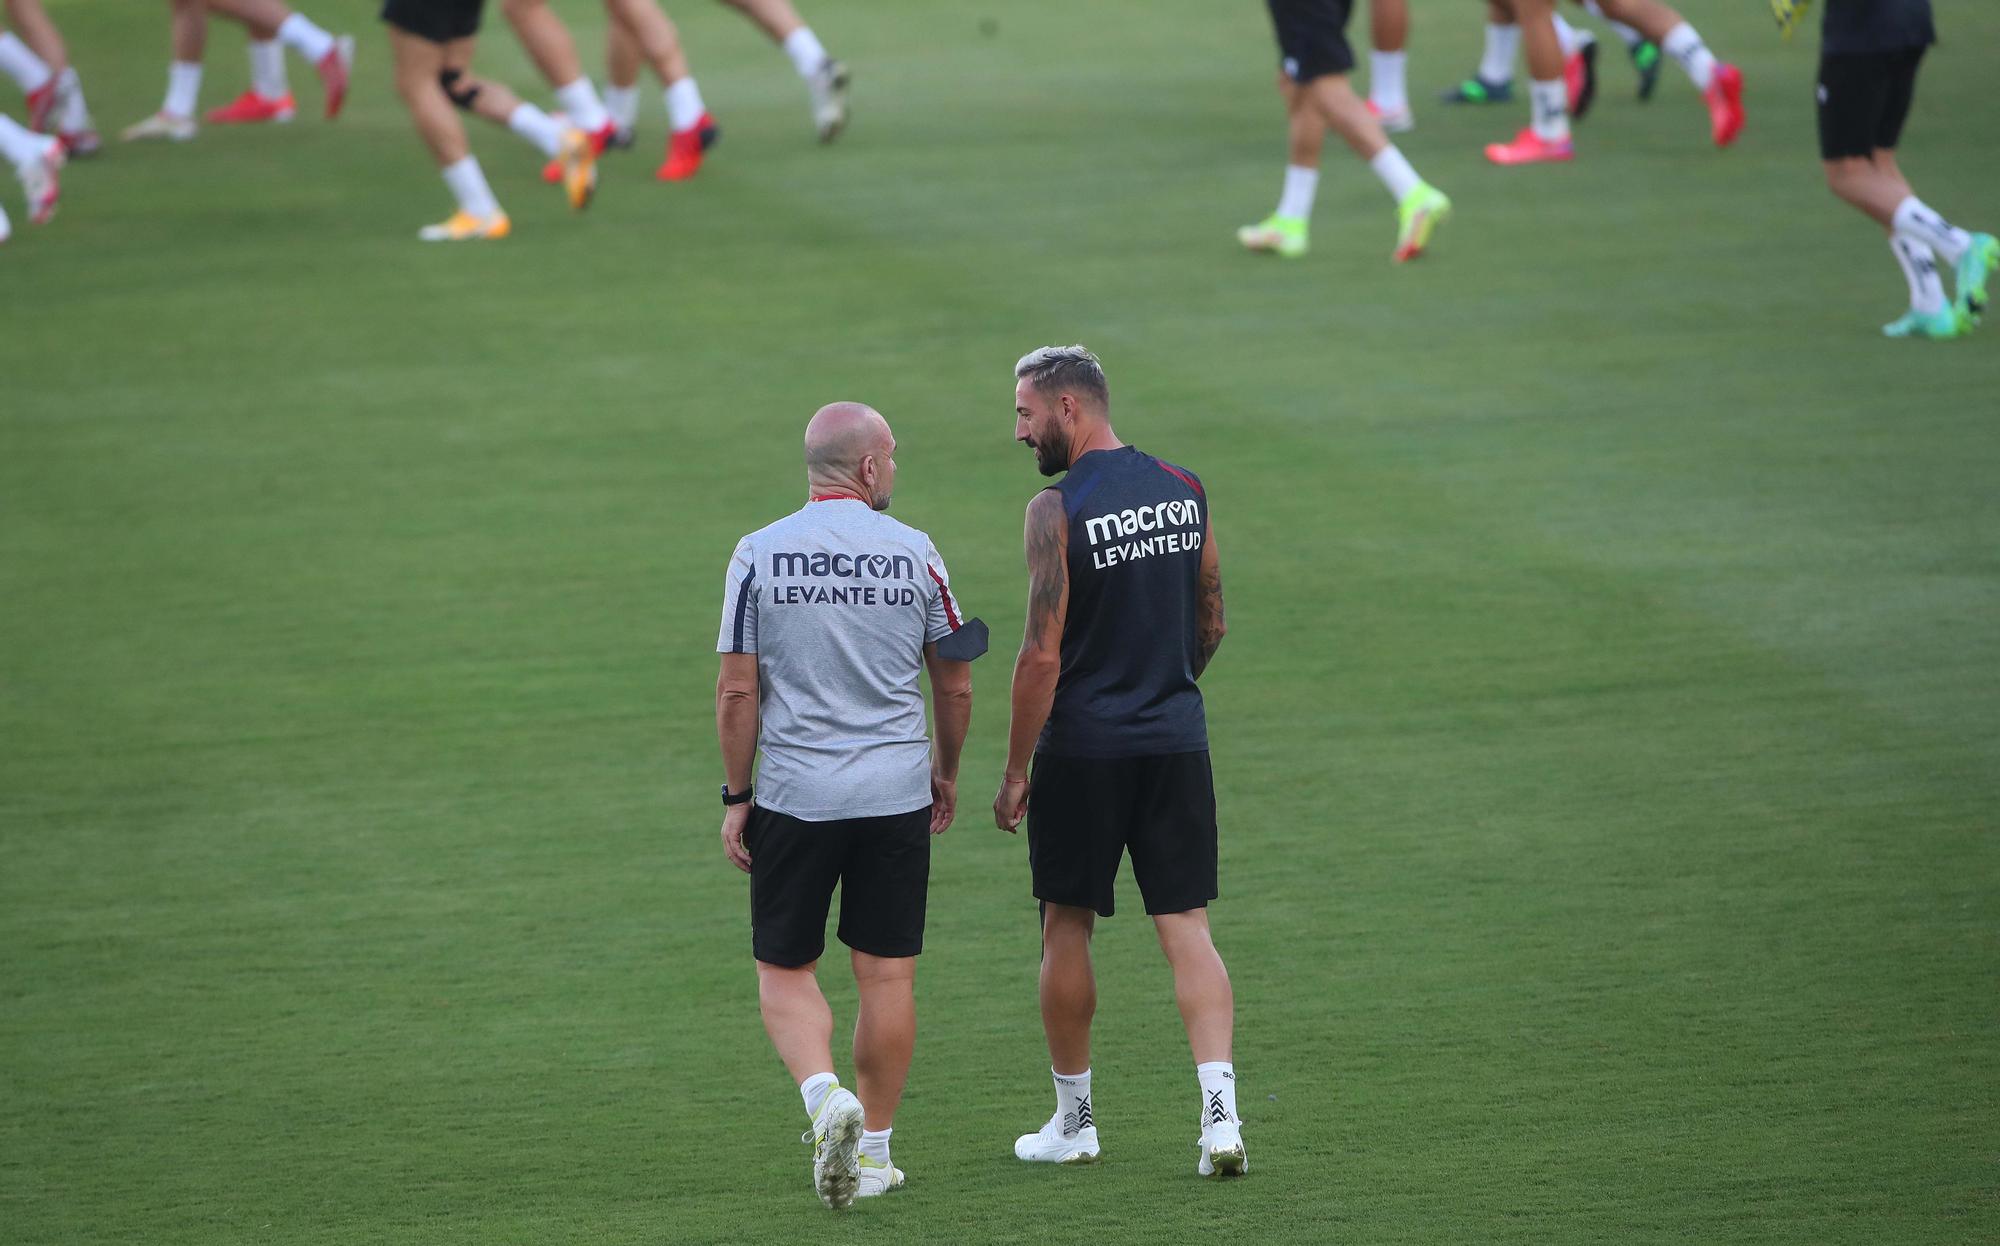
(160, 125)
(1052, 1146)
(836, 1139)
(877, 1179)
(829, 99)
(1222, 1150)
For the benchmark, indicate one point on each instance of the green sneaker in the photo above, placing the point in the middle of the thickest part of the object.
(1646, 59)
(1939, 326)
(1420, 212)
(1978, 262)
(1283, 235)
(1477, 90)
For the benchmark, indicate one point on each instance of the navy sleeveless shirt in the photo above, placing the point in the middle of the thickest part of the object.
(1130, 638)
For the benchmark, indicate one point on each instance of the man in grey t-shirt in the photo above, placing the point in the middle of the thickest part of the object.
(828, 616)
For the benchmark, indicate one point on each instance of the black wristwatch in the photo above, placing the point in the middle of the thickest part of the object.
(742, 797)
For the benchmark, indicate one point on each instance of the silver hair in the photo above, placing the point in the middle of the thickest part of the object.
(1056, 369)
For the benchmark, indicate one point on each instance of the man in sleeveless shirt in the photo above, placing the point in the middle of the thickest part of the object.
(1124, 613)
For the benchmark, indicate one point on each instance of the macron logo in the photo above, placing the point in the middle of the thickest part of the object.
(1181, 513)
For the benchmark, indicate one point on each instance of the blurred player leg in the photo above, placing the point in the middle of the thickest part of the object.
(1068, 996)
(550, 45)
(36, 158)
(1644, 52)
(1420, 207)
(826, 79)
(59, 108)
(269, 97)
(332, 56)
(1579, 49)
(1720, 83)
(1285, 232)
(1547, 137)
(420, 68)
(692, 130)
(175, 119)
(1208, 1010)
(1388, 64)
(621, 83)
(1493, 81)
(885, 1038)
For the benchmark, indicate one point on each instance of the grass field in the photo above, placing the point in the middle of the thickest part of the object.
(1608, 734)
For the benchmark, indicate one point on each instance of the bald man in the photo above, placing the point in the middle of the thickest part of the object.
(828, 615)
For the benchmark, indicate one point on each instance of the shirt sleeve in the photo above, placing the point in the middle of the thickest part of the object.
(740, 592)
(941, 614)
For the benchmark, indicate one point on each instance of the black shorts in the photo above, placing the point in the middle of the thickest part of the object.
(1312, 37)
(883, 866)
(1864, 97)
(439, 21)
(1085, 812)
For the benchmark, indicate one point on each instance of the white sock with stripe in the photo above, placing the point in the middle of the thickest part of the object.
(1218, 1091)
(1915, 220)
(1073, 1101)
(1685, 46)
(1550, 110)
(814, 1091)
(1921, 271)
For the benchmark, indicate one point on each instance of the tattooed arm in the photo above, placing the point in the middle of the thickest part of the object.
(1209, 626)
(1035, 670)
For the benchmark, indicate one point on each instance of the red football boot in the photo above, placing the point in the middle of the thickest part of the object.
(1530, 148)
(41, 102)
(1725, 104)
(685, 149)
(335, 68)
(1580, 80)
(600, 138)
(251, 108)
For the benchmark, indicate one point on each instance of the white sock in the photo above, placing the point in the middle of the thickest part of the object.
(468, 186)
(1550, 101)
(267, 69)
(1921, 271)
(1915, 220)
(183, 88)
(1301, 184)
(1387, 88)
(1503, 43)
(1218, 1091)
(19, 62)
(299, 34)
(72, 114)
(875, 1144)
(808, 57)
(1395, 172)
(19, 144)
(684, 106)
(1073, 1101)
(579, 100)
(623, 105)
(1569, 36)
(1685, 46)
(815, 1089)
(537, 127)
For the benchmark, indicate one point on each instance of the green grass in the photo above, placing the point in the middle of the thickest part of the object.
(1608, 736)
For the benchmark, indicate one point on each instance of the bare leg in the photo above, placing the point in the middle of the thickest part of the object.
(885, 1033)
(1388, 24)
(1873, 184)
(1306, 132)
(1068, 987)
(1201, 983)
(190, 31)
(1649, 17)
(797, 1018)
(777, 18)
(259, 15)
(32, 24)
(652, 34)
(418, 63)
(621, 56)
(1539, 44)
(1342, 110)
(546, 39)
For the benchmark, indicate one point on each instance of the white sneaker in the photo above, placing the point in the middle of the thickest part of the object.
(6, 226)
(877, 1179)
(40, 182)
(829, 99)
(1394, 121)
(836, 1139)
(160, 125)
(1222, 1151)
(1052, 1146)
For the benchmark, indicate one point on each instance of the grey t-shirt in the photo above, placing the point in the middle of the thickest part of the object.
(837, 601)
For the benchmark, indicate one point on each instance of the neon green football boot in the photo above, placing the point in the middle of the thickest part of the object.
(1939, 326)
(1281, 235)
(1420, 212)
(1978, 263)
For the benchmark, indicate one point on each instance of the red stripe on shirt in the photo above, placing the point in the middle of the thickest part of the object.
(950, 611)
(1182, 476)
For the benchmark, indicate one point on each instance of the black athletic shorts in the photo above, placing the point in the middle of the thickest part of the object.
(1085, 812)
(439, 21)
(1312, 37)
(1864, 97)
(883, 866)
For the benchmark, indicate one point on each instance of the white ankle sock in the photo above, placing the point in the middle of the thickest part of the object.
(1395, 172)
(1920, 270)
(684, 106)
(298, 33)
(1073, 1101)
(183, 88)
(1550, 103)
(72, 114)
(19, 62)
(267, 69)
(814, 1091)
(19, 144)
(536, 126)
(808, 57)
(1301, 184)
(1503, 43)
(468, 186)
(1218, 1091)
(1569, 36)
(623, 105)
(875, 1144)
(579, 100)
(1388, 86)
(1685, 46)
(1913, 219)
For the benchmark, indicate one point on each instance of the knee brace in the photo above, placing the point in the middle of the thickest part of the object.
(459, 94)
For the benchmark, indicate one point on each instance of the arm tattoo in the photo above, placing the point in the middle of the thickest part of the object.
(1048, 567)
(1209, 616)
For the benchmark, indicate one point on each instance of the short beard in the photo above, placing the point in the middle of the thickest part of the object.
(880, 503)
(1052, 453)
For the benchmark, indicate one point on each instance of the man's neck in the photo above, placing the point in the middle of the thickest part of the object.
(1100, 437)
(834, 493)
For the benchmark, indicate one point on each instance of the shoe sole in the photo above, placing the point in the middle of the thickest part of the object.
(831, 130)
(842, 1175)
(1230, 1162)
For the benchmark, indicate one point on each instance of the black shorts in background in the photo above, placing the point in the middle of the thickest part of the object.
(1084, 813)
(1864, 98)
(883, 866)
(439, 21)
(1312, 37)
